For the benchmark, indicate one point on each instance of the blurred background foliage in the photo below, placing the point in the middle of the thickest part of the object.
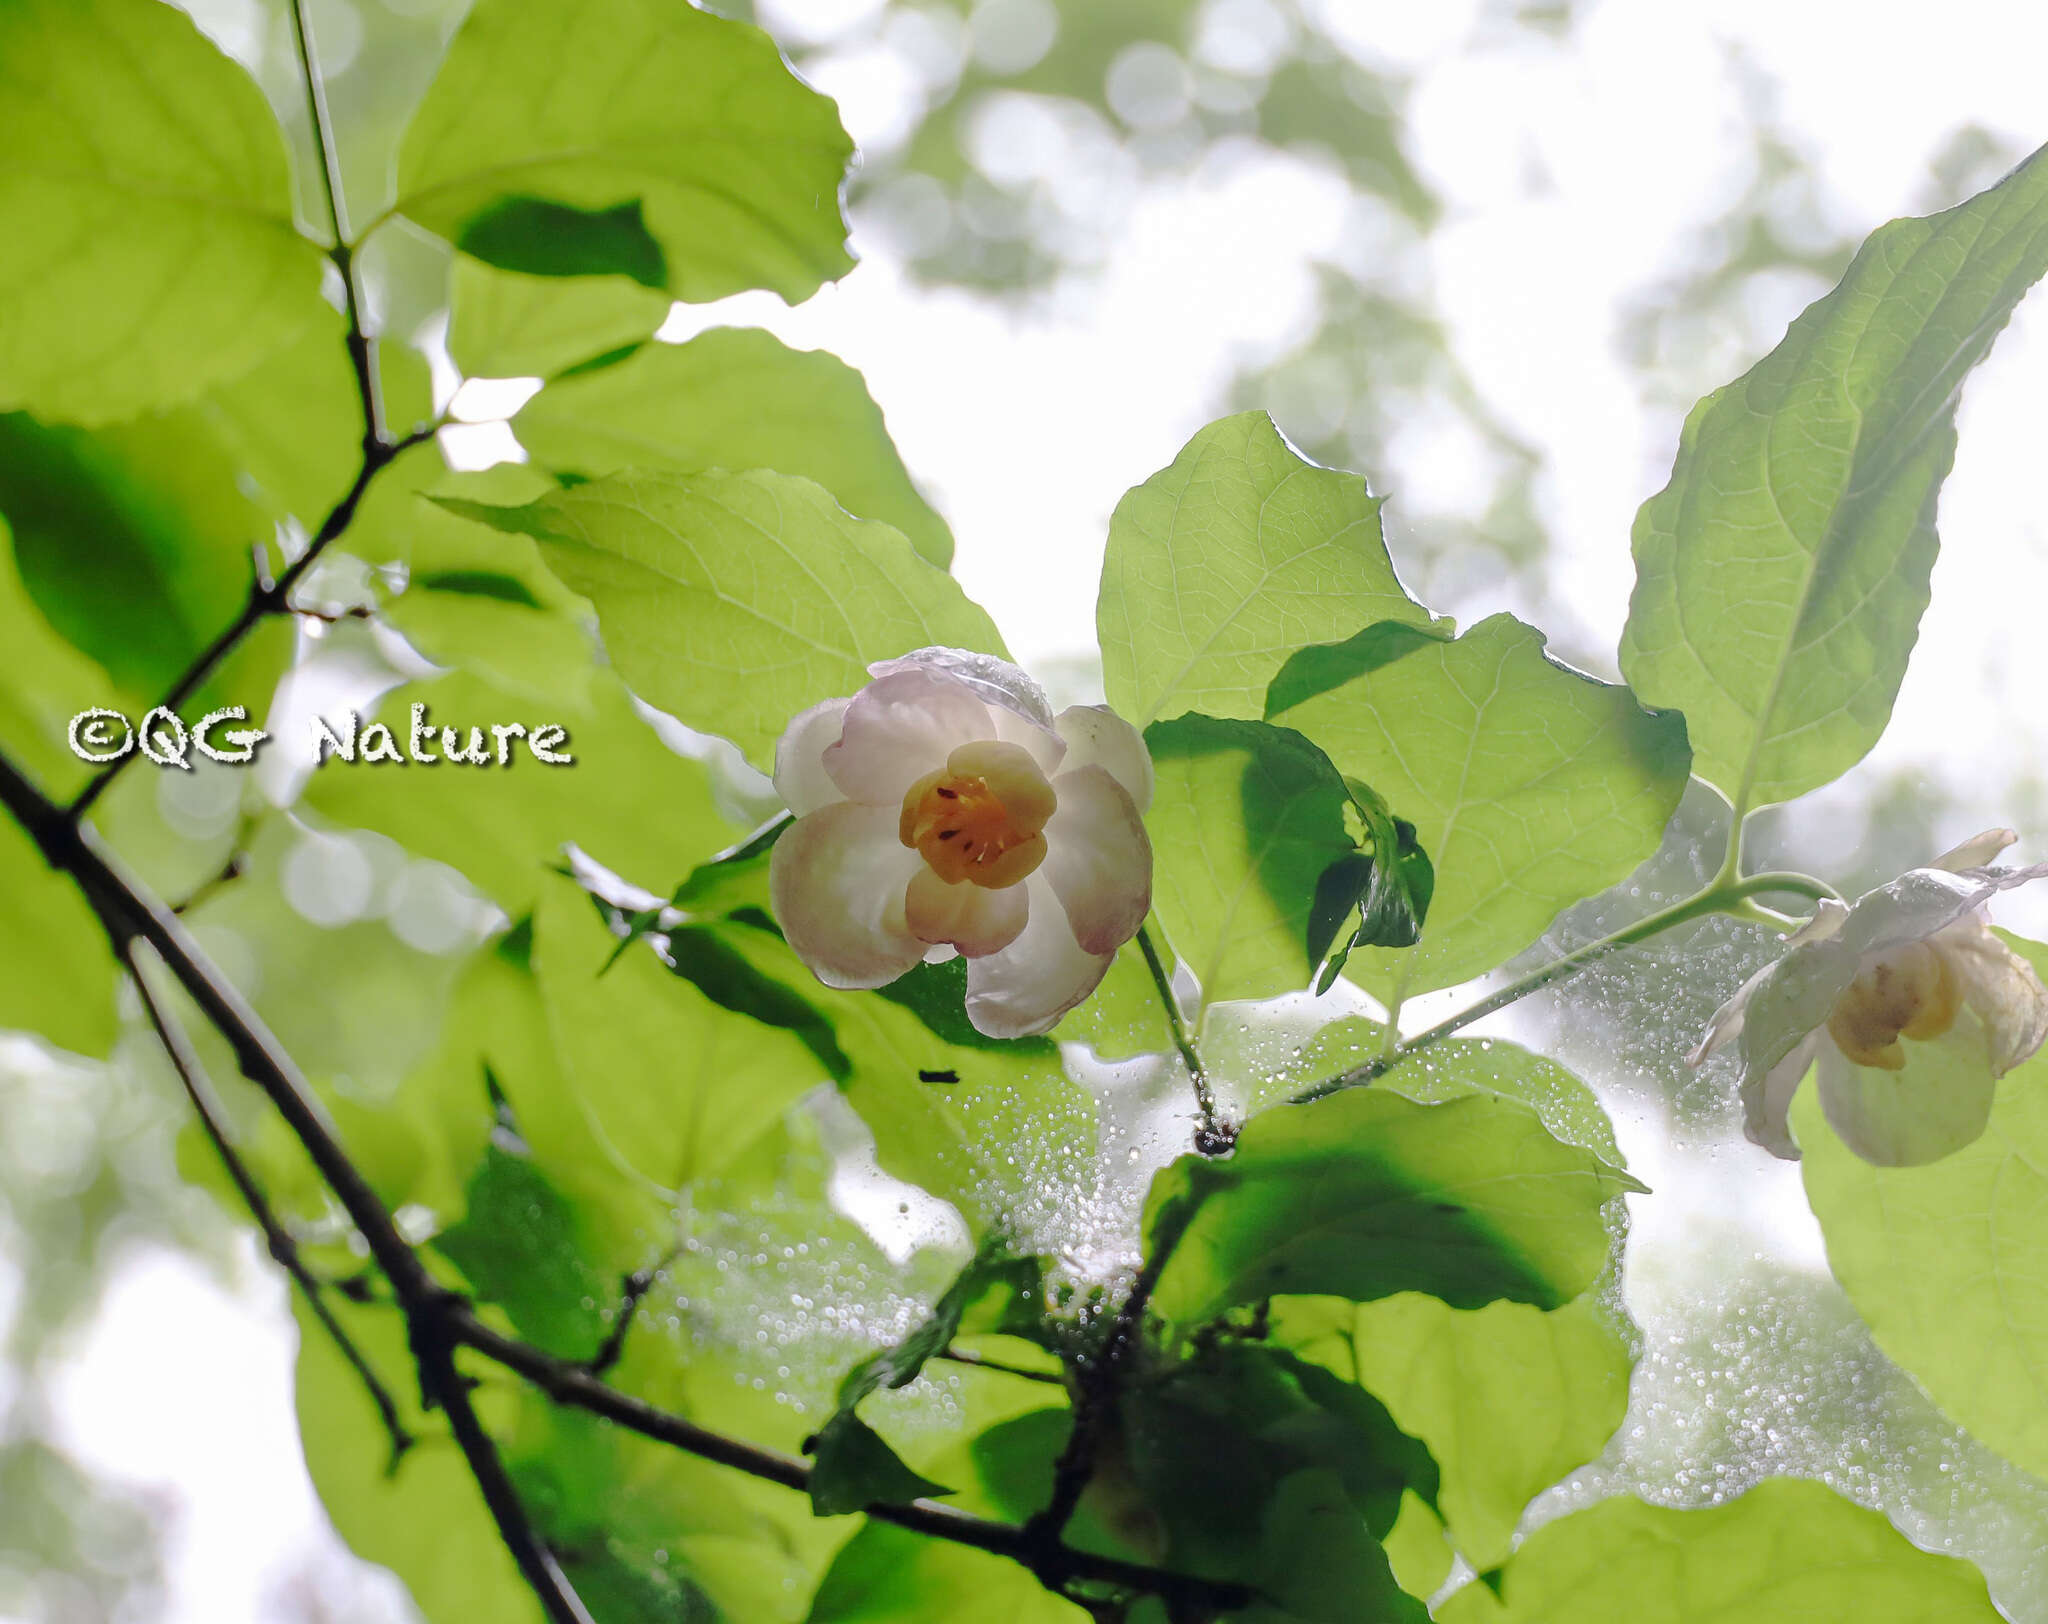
(1013, 141)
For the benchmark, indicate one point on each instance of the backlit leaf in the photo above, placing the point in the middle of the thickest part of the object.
(1780, 576)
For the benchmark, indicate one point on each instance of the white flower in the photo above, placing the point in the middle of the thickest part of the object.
(1906, 1004)
(945, 807)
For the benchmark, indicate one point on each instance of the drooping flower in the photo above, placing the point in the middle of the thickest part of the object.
(1905, 1004)
(945, 808)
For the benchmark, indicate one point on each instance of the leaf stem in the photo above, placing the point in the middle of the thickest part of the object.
(1210, 1131)
(1719, 896)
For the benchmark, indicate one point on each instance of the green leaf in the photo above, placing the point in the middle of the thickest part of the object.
(937, 995)
(1245, 820)
(1389, 884)
(1508, 1398)
(1530, 786)
(703, 958)
(733, 601)
(426, 1521)
(673, 1086)
(521, 1246)
(1944, 1261)
(1364, 1194)
(992, 1284)
(147, 246)
(1220, 1435)
(1780, 576)
(506, 325)
(628, 800)
(534, 237)
(889, 1575)
(1320, 1566)
(1323, 666)
(56, 969)
(1223, 564)
(601, 116)
(734, 398)
(134, 541)
(854, 1469)
(1787, 1552)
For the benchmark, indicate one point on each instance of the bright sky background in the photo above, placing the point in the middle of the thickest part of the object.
(1574, 174)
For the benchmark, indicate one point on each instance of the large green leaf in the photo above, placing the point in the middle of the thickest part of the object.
(1364, 1194)
(1508, 1397)
(134, 541)
(505, 324)
(1245, 820)
(56, 971)
(734, 398)
(1944, 1261)
(888, 1575)
(628, 800)
(1221, 1434)
(733, 601)
(1223, 564)
(630, 137)
(1781, 574)
(1787, 1552)
(673, 1086)
(147, 250)
(426, 1521)
(1530, 785)
(521, 1246)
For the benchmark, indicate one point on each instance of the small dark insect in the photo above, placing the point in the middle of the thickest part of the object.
(938, 1077)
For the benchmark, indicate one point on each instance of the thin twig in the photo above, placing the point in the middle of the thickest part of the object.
(634, 1287)
(277, 1240)
(441, 1321)
(1212, 1137)
(981, 1361)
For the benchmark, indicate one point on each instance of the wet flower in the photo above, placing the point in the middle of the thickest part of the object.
(1905, 1004)
(945, 808)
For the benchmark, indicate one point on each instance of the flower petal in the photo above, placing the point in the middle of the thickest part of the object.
(1922, 901)
(900, 727)
(1767, 1098)
(1099, 861)
(800, 776)
(1938, 1104)
(2003, 990)
(1976, 851)
(1029, 985)
(1097, 736)
(837, 881)
(1727, 1022)
(1017, 705)
(973, 918)
(993, 680)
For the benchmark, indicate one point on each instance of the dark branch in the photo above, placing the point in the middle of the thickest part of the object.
(277, 1239)
(441, 1321)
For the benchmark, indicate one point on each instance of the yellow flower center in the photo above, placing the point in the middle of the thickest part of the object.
(1910, 992)
(979, 817)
